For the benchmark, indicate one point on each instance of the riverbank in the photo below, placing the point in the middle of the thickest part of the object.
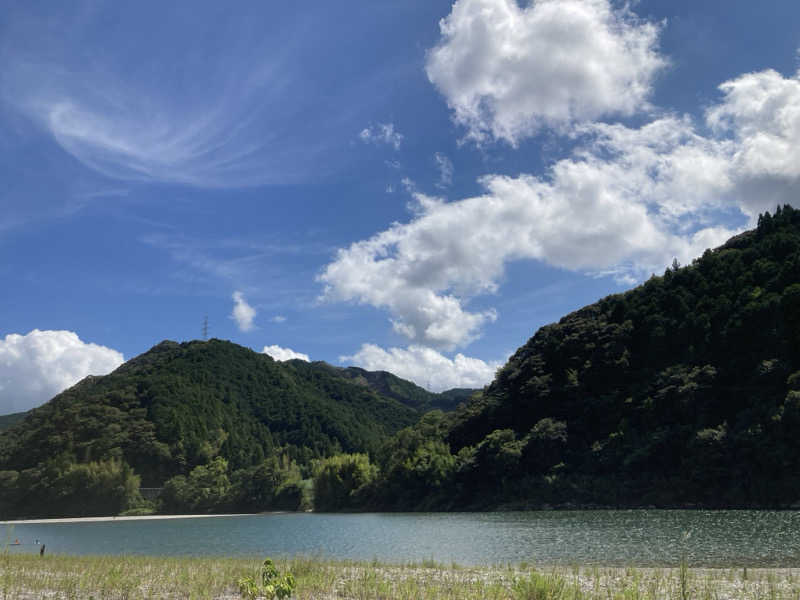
(60, 576)
(131, 518)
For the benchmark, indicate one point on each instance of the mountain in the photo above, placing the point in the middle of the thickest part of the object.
(7, 421)
(682, 391)
(402, 390)
(178, 406)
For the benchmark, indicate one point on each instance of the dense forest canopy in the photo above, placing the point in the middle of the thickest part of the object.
(684, 391)
(7, 421)
(181, 406)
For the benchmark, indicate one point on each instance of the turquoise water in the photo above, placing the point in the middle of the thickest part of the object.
(608, 537)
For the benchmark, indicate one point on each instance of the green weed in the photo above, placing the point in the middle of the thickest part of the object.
(270, 584)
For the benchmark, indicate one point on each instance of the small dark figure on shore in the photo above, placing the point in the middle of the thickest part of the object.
(41, 550)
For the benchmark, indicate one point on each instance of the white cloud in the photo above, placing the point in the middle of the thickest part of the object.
(761, 114)
(242, 313)
(425, 367)
(507, 71)
(445, 166)
(37, 366)
(626, 203)
(118, 134)
(278, 319)
(240, 115)
(382, 133)
(389, 271)
(281, 354)
(664, 166)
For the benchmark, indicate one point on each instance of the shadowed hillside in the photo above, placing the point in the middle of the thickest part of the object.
(683, 391)
(7, 421)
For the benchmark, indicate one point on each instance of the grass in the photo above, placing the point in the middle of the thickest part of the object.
(128, 577)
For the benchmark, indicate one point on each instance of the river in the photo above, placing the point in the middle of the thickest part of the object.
(597, 537)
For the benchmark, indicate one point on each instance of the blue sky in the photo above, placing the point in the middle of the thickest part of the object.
(410, 186)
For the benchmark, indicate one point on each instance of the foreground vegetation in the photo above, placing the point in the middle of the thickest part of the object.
(129, 577)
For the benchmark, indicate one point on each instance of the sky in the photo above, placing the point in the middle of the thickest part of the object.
(411, 186)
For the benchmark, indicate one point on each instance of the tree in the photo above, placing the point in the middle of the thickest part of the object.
(544, 445)
(274, 484)
(206, 489)
(340, 480)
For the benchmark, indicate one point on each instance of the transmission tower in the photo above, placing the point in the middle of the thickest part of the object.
(205, 328)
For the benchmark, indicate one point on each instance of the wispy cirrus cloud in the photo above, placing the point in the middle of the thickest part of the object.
(239, 112)
(445, 166)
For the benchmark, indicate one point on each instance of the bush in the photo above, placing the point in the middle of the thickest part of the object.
(270, 584)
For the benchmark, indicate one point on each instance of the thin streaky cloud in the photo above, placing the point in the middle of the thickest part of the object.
(445, 166)
(240, 118)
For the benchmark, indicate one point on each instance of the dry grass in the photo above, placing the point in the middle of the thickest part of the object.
(129, 577)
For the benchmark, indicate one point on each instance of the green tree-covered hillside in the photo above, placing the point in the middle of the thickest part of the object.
(402, 390)
(180, 406)
(7, 421)
(682, 391)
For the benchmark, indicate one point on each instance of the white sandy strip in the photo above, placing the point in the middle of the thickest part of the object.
(99, 519)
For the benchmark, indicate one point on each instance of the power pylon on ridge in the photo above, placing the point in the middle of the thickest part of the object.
(205, 328)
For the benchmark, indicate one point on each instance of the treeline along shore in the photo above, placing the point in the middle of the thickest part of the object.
(684, 391)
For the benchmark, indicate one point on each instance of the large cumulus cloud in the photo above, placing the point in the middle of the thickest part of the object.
(627, 201)
(507, 71)
(37, 366)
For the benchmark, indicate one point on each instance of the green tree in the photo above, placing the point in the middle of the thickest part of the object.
(544, 445)
(206, 489)
(274, 484)
(340, 481)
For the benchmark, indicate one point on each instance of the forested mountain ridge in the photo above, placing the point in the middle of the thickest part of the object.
(402, 390)
(179, 406)
(682, 391)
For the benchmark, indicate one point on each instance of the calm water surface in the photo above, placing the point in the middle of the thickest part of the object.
(629, 537)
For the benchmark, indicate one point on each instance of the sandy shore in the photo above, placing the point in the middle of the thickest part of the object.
(100, 519)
